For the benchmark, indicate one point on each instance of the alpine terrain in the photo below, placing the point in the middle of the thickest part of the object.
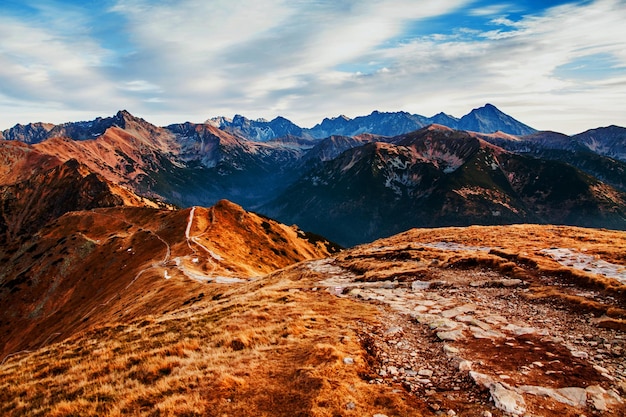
(479, 268)
(355, 180)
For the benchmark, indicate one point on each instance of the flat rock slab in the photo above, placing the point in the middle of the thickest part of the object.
(451, 336)
(507, 400)
(456, 311)
(479, 333)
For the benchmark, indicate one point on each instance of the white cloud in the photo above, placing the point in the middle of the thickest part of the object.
(516, 69)
(44, 68)
(493, 9)
(141, 86)
(310, 59)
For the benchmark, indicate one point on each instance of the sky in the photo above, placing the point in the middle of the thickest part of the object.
(554, 65)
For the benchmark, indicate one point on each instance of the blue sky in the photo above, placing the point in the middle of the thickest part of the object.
(555, 65)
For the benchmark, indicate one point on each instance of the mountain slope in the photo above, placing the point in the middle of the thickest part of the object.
(607, 141)
(333, 146)
(30, 133)
(571, 150)
(259, 130)
(453, 321)
(377, 123)
(183, 164)
(215, 165)
(125, 152)
(19, 161)
(28, 205)
(95, 267)
(437, 176)
(489, 119)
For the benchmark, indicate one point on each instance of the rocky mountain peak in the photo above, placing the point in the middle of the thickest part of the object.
(240, 120)
(123, 117)
(30, 133)
(489, 119)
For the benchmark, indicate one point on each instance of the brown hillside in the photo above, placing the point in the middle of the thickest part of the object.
(116, 264)
(46, 195)
(117, 155)
(479, 321)
(19, 161)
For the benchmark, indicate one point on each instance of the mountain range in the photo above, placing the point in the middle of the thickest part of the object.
(352, 180)
(487, 119)
(191, 270)
(437, 176)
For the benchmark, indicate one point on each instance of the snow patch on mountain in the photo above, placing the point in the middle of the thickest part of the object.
(446, 160)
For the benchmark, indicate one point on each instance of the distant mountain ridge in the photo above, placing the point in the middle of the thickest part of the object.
(486, 119)
(438, 176)
(38, 132)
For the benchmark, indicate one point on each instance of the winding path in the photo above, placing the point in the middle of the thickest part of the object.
(194, 275)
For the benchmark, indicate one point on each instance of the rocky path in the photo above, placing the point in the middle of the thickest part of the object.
(471, 343)
(212, 258)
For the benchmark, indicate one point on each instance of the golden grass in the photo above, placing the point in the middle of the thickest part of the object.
(526, 239)
(511, 251)
(274, 346)
(263, 349)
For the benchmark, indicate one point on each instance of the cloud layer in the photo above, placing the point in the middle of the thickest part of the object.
(561, 68)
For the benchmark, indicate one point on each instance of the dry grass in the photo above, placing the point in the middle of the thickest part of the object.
(96, 267)
(514, 252)
(262, 349)
(525, 240)
(275, 346)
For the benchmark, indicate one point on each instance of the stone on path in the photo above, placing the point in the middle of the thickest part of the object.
(572, 398)
(465, 366)
(502, 394)
(595, 394)
(577, 396)
(479, 333)
(456, 311)
(393, 330)
(519, 330)
(450, 349)
(450, 336)
(445, 324)
(507, 400)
